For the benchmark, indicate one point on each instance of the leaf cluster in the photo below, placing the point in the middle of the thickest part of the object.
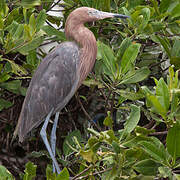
(135, 76)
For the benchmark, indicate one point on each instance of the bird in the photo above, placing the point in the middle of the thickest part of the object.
(59, 75)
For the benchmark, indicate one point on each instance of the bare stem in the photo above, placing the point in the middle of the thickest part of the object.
(85, 170)
(159, 133)
(87, 115)
(96, 173)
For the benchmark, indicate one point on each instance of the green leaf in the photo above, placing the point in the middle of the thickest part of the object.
(174, 102)
(92, 131)
(108, 120)
(5, 174)
(155, 5)
(50, 31)
(106, 5)
(116, 147)
(110, 136)
(12, 16)
(146, 91)
(157, 26)
(130, 94)
(31, 45)
(142, 131)
(163, 95)
(165, 43)
(87, 3)
(12, 86)
(92, 83)
(1, 23)
(64, 175)
(176, 11)
(175, 61)
(40, 20)
(27, 34)
(32, 59)
(133, 119)
(175, 51)
(4, 104)
(165, 172)
(156, 105)
(164, 5)
(30, 3)
(3, 8)
(17, 69)
(32, 24)
(173, 141)
(146, 16)
(129, 57)
(108, 58)
(137, 76)
(4, 77)
(12, 28)
(124, 45)
(19, 31)
(68, 142)
(132, 4)
(49, 174)
(92, 140)
(94, 143)
(156, 150)
(147, 167)
(54, 19)
(30, 171)
(177, 176)
(88, 155)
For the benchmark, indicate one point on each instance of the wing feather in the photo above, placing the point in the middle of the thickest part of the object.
(52, 86)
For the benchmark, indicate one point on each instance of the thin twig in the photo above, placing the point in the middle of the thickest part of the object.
(54, 10)
(46, 43)
(158, 133)
(54, 5)
(170, 35)
(166, 68)
(150, 124)
(112, 103)
(87, 115)
(106, 102)
(156, 64)
(49, 24)
(100, 172)
(99, 88)
(85, 170)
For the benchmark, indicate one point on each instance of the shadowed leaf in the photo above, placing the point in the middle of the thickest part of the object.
(133, 119)
(173, 141)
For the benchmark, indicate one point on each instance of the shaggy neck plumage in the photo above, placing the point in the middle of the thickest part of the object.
(87, 43)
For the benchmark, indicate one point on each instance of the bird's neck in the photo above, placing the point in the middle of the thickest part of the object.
(88, 47)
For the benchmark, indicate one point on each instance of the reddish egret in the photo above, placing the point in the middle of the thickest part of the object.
(59, 75)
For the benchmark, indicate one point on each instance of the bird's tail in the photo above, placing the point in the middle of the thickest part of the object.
(17, 129)
(15, 132)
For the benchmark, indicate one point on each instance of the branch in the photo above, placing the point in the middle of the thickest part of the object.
(96, 173)
(158, 133)
(54, 5)
(87, 115)
(85, 170)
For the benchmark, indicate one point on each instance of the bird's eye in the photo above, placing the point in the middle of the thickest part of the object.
(93, 13)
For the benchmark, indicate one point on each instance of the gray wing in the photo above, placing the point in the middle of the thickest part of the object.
(52, 86)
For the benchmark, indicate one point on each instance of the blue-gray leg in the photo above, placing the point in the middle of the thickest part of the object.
(53, 137)
(45, 140)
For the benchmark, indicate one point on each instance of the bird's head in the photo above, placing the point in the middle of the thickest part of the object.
(95, 14)
(86, 14)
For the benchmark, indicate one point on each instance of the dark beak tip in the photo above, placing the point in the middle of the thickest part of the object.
(121, 16)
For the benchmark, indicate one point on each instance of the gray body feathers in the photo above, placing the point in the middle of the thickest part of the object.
(52, 86)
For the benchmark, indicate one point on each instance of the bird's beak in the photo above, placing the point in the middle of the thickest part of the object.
(104, 15)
